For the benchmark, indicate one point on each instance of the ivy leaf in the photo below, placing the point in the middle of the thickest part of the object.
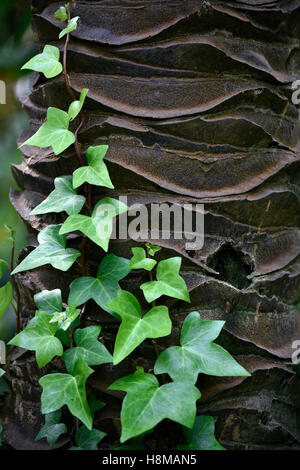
(52, 428)
(49, 301)
(76, 106)
(72, 25)
(65, 319)
(66, 389)
(198, 353)
(95, 405)
(61, 14)
(51, 250)
(63, 198)
(96, 172)
(2, 372)
(169, 282)
(134, 328)
(146, 403)
(104, 287)
(54, 132)
(202, 436)
(88, 440)
(88, 347)
(97, 228)
(140, 260)
(47, 62)
(6, 297)
(41, 339)
(152, 249)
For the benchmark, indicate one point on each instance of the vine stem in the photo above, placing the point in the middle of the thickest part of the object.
(154, 341)
(16, 287)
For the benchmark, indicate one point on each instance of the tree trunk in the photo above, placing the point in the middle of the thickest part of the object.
(194, 99)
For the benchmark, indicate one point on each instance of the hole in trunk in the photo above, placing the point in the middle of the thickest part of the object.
(233, 266)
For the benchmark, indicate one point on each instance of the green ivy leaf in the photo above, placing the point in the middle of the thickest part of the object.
(134, 328)
(96, 172)
(63, 198)
(41, 339)
(202, 436)
(65, 319)
(146, 403)
(88, 440)
(76, 106)
(104, 287)
(72, 25)
(95, 405)
(61, 14)
(52, 428)
(140, 260)
(54, 132)
(152, 249)
(97, 228)
(6, 297)
(93, 351)
(198, 353)
(65, 389)
(51, 250)
(2, 372)
(47, 62)
(49, 301)
(169, 282)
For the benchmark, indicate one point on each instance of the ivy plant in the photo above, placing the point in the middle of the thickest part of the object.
(169, 389)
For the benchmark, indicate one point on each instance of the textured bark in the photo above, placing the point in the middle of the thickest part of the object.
(194, 99)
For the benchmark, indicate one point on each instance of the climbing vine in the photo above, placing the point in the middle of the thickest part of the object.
(169, 389)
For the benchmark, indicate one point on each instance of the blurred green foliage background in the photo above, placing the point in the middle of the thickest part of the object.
(16, 47)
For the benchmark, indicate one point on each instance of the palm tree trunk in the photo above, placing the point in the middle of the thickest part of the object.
(194, 99)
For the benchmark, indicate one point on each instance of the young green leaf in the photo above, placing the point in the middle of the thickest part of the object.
(49, 301)
(6, 297)
(169, 282)
(202, 436)
(54, 132)
(65, 319)
(41, 339)
(72, 25)
(99, 226)
(96, 172)
(65, 389)
(140, 260)
(88, 440)
(93, 351)
(104, 287)
(47, 62)
(76, 106)
(51, 250)
(134, 328)
(146, 403)
(152, 249)
(63, 198)
(61, 14)
(198, 353)
(52, 428)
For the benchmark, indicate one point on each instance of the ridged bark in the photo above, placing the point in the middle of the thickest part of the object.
(194, 99)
